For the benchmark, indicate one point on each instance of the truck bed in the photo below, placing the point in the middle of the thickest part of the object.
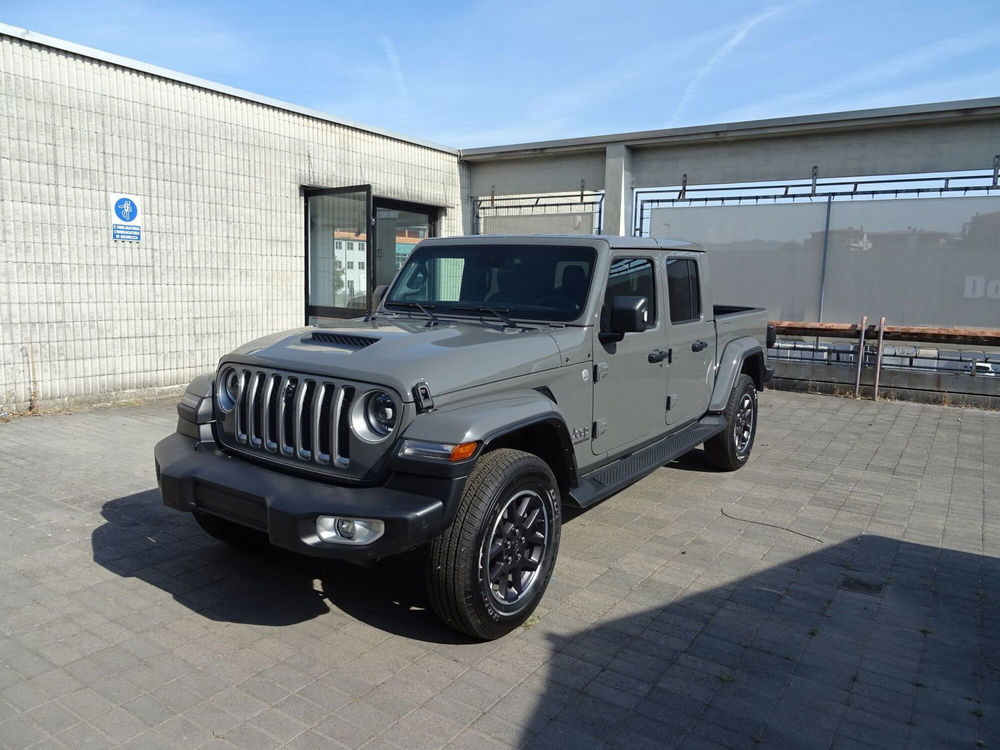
(735, 321)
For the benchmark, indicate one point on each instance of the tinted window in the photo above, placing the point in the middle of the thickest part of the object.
(682, 286)
(532, 282)
(630, 277)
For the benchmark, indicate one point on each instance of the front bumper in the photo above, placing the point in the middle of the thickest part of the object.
(198, 476)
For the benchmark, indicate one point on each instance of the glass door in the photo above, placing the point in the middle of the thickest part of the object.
(399, 226)
(337, 259)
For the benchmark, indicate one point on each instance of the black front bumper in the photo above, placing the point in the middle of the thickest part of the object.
(198, 476)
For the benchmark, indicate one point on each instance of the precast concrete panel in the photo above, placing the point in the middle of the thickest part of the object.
(222, 256)
(901, 150)
(580, 222)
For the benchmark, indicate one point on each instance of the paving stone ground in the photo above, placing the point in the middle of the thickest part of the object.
(671, 621)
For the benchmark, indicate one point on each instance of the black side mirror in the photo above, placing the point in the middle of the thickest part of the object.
(628, 314)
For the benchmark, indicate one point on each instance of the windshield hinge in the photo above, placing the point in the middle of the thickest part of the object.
(422, 397)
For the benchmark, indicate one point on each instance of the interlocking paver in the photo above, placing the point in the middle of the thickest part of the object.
(675, 618)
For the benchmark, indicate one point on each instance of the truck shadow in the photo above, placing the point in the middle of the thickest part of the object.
(140, 538)
(871, 641)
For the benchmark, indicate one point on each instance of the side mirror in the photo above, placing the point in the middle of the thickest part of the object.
(377, 296)
(628, 314)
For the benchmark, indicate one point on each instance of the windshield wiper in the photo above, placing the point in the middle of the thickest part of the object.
(434, 319)
(497, 311)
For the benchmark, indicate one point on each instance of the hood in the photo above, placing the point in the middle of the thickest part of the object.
(401, 352)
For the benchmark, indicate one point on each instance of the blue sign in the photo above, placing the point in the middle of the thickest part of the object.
(126, 209)
(126, 225)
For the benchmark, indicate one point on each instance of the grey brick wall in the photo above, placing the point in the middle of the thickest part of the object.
(83, 318)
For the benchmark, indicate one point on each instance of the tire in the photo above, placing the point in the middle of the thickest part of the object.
(486, 573)
(229, 532)
(730, 449)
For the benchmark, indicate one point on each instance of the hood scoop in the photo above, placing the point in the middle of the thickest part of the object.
(342, 339)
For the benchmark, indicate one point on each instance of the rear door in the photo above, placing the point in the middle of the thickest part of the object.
(691, 337)
(629, 389)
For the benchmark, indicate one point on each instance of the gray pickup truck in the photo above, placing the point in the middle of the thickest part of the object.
(496, 379)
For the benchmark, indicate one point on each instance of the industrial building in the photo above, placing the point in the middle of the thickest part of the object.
(151, 221)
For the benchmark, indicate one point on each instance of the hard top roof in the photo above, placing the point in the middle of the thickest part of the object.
(615, 242)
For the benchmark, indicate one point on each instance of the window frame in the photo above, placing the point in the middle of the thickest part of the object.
(652, 301)
(694, 290)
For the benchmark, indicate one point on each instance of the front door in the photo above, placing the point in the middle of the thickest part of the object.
(692, 342)
(630, 389)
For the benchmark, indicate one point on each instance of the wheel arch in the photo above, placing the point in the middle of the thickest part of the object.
(744, 355)
(525, 420)
(546, 437)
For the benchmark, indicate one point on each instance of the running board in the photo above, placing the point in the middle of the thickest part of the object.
(608, 480)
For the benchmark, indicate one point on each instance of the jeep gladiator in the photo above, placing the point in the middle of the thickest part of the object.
(496, 379)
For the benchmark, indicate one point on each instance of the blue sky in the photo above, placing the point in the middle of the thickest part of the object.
(488, 73)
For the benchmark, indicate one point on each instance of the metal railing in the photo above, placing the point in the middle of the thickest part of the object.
(976, 182)
(878, 355)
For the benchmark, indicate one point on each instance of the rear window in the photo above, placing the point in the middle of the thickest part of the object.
(684, 290)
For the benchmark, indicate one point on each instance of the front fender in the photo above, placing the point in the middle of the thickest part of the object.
(730, 365)
(483, 418)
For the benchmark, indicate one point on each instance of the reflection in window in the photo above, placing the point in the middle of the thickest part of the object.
(630, 277)
(682, 286)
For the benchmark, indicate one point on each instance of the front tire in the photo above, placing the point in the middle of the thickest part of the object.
(488, 570)
(730, 449)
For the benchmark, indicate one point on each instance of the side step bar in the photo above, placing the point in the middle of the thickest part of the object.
(608, 480)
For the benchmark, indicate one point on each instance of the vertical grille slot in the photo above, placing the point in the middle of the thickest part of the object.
(344, 427)
(254, 399)
(241, 408)
(272, 386)
(320, 432)
(286, 406)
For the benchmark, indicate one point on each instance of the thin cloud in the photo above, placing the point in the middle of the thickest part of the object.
(871, 81)
(722, 53)
(397, 76)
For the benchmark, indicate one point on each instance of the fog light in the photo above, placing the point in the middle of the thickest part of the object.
(349, 530)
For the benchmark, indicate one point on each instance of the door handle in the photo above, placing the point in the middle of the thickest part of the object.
(657, 355)
(697, 346)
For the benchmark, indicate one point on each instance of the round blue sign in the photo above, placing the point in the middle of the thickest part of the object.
(126, 209)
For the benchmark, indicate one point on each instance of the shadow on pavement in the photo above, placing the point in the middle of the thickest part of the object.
(870, 643)
(140, 538)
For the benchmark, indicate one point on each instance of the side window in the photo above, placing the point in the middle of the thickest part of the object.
(684, 290)
(630, 277)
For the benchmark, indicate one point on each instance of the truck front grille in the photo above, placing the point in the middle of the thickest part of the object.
(295, 417)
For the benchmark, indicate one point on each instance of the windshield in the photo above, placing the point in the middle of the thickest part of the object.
(533, 282)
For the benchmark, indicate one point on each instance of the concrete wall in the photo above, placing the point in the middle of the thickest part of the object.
(894, 150)
(222, 256)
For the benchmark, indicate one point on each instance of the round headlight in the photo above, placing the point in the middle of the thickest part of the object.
(380, 413)
(374, 416)
(228, 388)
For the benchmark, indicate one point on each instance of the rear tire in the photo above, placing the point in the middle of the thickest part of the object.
(487, 572)
(730, 449)
(229, 532)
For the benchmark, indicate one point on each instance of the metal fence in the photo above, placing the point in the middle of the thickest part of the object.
(923, 250)
(580, 212)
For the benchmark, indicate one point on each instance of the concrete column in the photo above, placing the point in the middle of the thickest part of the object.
(618, 190)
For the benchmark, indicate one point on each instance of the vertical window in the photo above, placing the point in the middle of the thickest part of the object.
(684, 290)
(630, 277)
(350, 265)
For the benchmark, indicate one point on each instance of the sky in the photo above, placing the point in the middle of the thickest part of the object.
(473, 73)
